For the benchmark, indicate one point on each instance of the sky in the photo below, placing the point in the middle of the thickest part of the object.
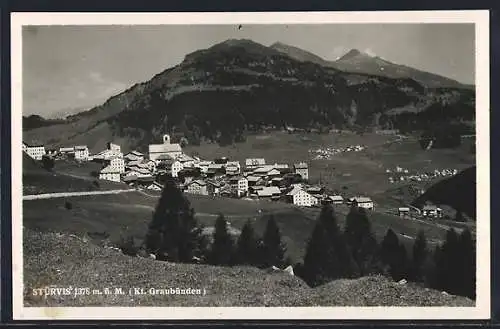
(70, 68)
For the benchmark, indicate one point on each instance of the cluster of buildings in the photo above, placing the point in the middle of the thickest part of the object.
(80, 153)
(327, 153)
(402, 175)
(253, 179)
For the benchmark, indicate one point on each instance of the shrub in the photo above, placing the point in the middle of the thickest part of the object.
(128, 246)
(68, 205)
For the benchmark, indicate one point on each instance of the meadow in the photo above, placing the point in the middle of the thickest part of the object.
(108, 218)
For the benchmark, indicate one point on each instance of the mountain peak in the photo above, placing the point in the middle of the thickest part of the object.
(352, 54)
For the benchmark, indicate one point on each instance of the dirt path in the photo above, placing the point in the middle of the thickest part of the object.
(71, 194)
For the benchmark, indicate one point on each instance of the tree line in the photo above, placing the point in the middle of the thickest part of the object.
(332, 252)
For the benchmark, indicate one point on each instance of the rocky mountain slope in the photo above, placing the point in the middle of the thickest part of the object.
(238, 86)
(355, 61)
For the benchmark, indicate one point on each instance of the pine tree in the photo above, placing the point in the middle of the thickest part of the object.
(247, 246)
(467, 274)
(394, 256)
(174, 233)
(274, 249)
(447, 265)
(399, 268)
(327, 257)
(419, 257)
(389, 245)
(221, 252)
(361, 241)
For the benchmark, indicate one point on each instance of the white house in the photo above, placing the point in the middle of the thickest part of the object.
(203, 165)
(254, 162)
(34, 151)
(66, 150)
(197, 187)
(117, 164)
(432, 211)
(336, 199)
(111, 174)
(81, 153)
(301, 198)
(302, 169)
(233, 167)
(363, 202)
(176, 167)
(240, 184)
(172, 150)
(403, 211)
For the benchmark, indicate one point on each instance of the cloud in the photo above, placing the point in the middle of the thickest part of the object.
(370, 52)
(338, 52)
(96, 76)
(81, 95)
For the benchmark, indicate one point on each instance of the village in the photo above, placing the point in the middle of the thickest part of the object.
(221, 177)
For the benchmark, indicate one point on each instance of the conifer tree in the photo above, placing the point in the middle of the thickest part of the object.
(394, 256)
(419, 257)
(273, 248)
(467, 252)
(247, 246)
(361, 241)
(174, 233)
(446, 265)
(327, 256)
(221, 252)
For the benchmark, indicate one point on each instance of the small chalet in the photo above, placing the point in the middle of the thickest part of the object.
(362, 202)
(109, 173)
(431, 211)
(197, 186)
(404, 211)
(271, 192)
(302, 169)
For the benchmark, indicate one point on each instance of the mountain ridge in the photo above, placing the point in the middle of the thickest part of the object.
(373, 64)
(237, 86)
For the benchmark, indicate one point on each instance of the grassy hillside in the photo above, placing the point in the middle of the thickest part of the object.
(110, 217)
(62, 260)
(459, 192)
(37, 180)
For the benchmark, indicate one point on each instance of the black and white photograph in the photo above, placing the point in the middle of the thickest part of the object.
(326, 165)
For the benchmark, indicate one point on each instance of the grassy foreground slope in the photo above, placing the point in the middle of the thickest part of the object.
(62, 260)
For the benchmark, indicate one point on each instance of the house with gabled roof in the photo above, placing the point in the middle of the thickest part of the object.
(252, 163)
(271, 192)
(302, 169)
(302, 198)
(362, 202)
(34, 151)
(197, 186)
(109, 173)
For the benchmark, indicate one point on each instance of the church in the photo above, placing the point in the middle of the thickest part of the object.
(171, 150)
